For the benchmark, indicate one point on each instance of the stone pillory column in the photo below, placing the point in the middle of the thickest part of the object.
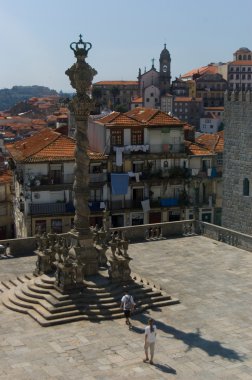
(81, 75)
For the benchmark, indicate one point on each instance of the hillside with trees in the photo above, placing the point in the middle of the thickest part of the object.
(17, 94)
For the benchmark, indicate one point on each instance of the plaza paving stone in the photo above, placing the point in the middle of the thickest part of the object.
(207, 336)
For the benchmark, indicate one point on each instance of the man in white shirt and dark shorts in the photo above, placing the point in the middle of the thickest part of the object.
(127, 304)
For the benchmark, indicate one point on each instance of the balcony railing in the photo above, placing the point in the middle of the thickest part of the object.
(152, 148)
(123, 204)
(98, 177)
(51, 208)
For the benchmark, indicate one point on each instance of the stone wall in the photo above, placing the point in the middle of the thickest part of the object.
(21, 247)
(224, 235)
(236, 210)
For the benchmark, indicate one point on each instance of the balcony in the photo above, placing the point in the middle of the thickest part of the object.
(43, 182)
(98, 177)
(125, 204)
(96, 205)
(51, 208)
(169, 202)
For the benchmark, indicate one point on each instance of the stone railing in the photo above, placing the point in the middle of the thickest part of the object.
(20, 246)
(157, 231)
(224, 235)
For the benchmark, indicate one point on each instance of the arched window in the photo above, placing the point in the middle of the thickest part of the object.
(246, 187)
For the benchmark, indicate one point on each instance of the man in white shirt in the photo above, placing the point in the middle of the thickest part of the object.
(149, 340)
(127, 304)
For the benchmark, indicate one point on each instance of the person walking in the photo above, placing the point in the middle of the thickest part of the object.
(149, 340)
(127, 304)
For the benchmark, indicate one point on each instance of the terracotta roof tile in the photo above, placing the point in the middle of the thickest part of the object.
(137, 100)
(195, 149)
(210, 69)
(213, 142)
(123, 120)
(153, 117)
(241, 63)
(108, 118)
(117, 83)
(47, 145)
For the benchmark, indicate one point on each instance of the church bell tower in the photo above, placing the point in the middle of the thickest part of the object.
(164, 71)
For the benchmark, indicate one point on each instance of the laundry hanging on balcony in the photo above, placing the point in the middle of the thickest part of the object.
(119, 183)
(118, 150)
(146, 205)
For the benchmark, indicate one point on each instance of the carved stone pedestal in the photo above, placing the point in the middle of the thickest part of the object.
(43, 263)
(68, 277)
(119, 270)
(86, 253)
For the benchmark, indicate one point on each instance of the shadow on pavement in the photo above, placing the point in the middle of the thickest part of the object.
(165, 368)
(195, 340)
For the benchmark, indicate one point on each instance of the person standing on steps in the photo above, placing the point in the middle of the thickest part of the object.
(150, 340)
(127, 304)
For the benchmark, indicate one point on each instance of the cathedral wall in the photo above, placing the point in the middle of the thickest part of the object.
(237, 203)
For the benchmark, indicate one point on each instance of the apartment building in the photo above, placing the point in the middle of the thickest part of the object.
(43, 167)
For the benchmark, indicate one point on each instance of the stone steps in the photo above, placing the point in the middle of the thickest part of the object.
(96, 301)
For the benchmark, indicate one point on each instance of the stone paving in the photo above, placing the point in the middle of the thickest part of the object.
(207, 336)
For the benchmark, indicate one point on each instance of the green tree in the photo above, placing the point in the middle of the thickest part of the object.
(115, 91)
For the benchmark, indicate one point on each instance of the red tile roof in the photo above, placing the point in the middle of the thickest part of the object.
(47, 145)
(140, 117)
(195, 149)
(206, 144)
(241, 63)
(137, 100)
(117, 83)
(108, 118)
(210, 69)
(153, 117)
(214, 142)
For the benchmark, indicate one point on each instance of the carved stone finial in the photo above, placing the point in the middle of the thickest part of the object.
(80, 48)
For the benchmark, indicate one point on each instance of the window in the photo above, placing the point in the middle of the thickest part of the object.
(137, 137)
(138, 166)
(95, 195)
(40, 226)
(243, 76)
(237, 76)
(237, 68)
(249, 76)
(231, 69)
(246, 187)
(249, 68)
(243, 69)
(147, 100)
(55, 173)
(56, 226)
(219, 158)
(152, 94)
(231, 76)
(116, 137)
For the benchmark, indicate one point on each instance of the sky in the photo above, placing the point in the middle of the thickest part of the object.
(125, 35)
